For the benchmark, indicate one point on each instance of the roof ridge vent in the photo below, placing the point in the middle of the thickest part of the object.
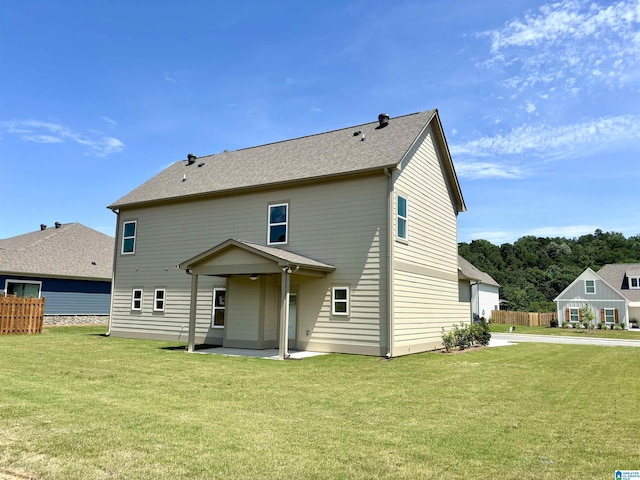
(43, 226)
(191, 159)
(58, 224)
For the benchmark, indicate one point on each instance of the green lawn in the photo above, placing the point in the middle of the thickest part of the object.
(77, 405)
(633, 334)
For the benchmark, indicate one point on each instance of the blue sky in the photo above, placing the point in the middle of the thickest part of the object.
(540, 102)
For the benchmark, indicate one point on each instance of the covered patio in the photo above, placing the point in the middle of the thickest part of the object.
(255, 322)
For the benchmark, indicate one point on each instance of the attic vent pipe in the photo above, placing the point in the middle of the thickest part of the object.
(43, 226)
(58, 224)
(383, 118)
(191, 159)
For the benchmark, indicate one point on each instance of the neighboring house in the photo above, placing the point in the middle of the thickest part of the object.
(613, 293)
(484, 291)
(68, 264)
(344, 241)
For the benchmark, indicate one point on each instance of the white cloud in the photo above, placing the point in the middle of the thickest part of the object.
(110, 122)
(48, 132)
(530, 107)
(498, 237)
(483, 170)
(553, 142)
(41, 138)
(569, 40)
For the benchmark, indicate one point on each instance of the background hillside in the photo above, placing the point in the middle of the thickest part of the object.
(534, 270)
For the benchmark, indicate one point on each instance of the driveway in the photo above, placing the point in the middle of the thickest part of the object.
(501, 338)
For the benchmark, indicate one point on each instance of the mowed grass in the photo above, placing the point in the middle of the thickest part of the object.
(77, 405)
(633, 334)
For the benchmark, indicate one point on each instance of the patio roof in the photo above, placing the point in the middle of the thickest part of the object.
(240, 257)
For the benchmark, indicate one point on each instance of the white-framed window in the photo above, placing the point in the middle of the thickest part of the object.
(590, 286)
(402, 218)
(159, 299)
(278, 219)
(23, 288)
(219, 304)
(634, 282)
(574, 314)
(340, 301)
(610, 315)
(136, 299)
(129, 237)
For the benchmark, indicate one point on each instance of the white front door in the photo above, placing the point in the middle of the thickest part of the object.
(293, 319)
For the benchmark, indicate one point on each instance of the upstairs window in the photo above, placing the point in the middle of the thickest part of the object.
(403, 225)
(129, 237)
(277, 233)
(589, 286)
(634, 282)
(159, 297)
(219, 304)
(340, 301)
(136, 299)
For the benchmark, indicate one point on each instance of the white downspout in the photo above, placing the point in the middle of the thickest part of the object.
(113, 270)
(390, 305)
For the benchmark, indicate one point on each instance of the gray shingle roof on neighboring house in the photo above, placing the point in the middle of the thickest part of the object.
(340, 152)
(470, 271)
(70, 251)
(616, 275)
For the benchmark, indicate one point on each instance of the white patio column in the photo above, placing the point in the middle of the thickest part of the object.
(283, 351)
(192, 313)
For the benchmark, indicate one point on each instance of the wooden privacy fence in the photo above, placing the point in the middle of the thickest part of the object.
(21, 315)
(526, 319)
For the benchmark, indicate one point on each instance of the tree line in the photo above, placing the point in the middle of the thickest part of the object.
(534, 270)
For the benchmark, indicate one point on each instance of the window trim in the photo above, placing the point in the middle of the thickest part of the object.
(404, 218)
(586, 288)
(613, 315)
(577, 310)
(133, 299)
(156, 299)
(134, 236)
(214, 308)
(335, 301)
(637, 279)
(18, 280)
(278, 224)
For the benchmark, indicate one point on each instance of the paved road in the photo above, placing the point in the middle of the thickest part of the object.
(520, 338)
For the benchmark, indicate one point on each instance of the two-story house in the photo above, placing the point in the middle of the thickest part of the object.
(344, 241)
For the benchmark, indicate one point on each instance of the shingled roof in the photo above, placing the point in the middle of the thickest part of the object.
(616, 275)
(470, 271)
(346, 151)
(69, 251)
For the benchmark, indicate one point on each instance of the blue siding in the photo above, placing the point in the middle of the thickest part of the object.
(71, 297)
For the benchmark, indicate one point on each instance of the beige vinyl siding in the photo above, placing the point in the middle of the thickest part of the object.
(342, 223)
(427, 294)
(423, 306)
(243, 309)
(432, 223)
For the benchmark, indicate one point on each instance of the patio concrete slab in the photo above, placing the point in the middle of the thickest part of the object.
(271, 353)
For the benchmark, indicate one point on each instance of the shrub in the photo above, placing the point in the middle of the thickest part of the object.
(463, 336)
(634, 323)
(553, 323)
(480, 334)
